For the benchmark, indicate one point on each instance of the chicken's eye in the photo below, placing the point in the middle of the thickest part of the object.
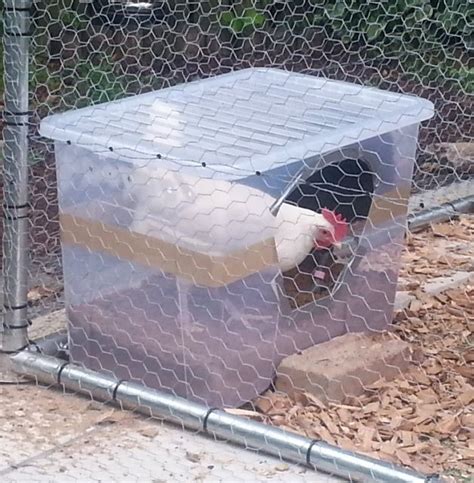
(324, 232)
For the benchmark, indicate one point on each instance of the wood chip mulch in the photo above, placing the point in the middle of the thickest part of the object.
(425, 418)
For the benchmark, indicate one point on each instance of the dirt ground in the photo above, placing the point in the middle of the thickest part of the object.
(425, 418)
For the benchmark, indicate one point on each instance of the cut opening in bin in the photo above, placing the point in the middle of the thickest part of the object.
(345, 187)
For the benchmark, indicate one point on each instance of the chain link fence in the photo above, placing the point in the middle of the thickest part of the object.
(242, 209)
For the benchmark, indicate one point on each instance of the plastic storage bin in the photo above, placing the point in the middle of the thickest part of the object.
(167, 209)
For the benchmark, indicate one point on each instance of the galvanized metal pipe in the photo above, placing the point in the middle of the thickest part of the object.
(215, 422)
(15, 174)
(446, 211)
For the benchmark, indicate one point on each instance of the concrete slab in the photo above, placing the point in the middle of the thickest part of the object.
(97, 443)
(169, 457)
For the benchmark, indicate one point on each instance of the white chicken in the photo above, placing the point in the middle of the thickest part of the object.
(300, 230)
(215, 216)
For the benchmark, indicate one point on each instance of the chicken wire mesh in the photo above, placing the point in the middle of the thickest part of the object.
(141, 306)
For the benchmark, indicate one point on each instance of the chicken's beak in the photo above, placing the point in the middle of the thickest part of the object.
(337, 245)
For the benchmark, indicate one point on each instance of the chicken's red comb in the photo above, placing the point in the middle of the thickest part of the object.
(341, 227)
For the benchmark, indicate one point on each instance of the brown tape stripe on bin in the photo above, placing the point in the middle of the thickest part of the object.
(199, 268)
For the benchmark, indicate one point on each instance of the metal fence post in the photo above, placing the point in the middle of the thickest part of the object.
(15, 173)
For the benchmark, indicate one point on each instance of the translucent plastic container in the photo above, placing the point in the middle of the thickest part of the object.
(167, 207)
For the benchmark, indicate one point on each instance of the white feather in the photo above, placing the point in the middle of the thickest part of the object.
(297, 230)
(216, 216)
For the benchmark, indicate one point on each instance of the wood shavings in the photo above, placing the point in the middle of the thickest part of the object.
(273, 404)
(244, 413)
(422, 419)
(40, 292)
(467, 397)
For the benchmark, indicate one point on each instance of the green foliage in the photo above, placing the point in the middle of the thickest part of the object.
(88, 82)
(428, 38)
(420, 34)
(245, 17)
(396, 24)
(374, 22)
(69, 82)
(63, 13)
(92, 82)
(249, 20)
